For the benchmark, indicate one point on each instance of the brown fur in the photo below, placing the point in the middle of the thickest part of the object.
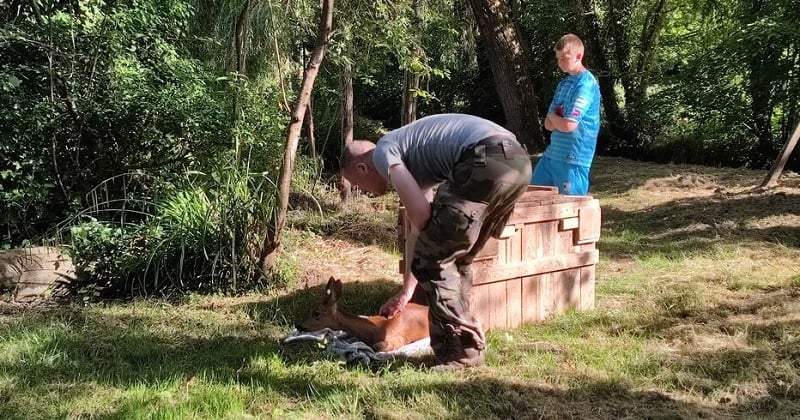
(378, 332)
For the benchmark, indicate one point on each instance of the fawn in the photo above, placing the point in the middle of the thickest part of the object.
(378, 332)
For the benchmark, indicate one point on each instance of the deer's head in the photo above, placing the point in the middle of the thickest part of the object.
(326, 316)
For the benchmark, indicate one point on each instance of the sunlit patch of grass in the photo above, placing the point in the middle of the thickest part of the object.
(684, 299)
(627, 284)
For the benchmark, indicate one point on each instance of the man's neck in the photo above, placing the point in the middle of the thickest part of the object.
(578, 71)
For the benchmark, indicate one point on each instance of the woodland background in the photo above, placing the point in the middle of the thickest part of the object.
(150, 136)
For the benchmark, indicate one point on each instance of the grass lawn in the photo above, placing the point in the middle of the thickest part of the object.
(697, 316)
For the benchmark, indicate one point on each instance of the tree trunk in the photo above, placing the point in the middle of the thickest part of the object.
(762, 66)
(240, 37)
(408, 113)
(408, 107)
(648, 41)
(312, 141)
(761, 101)
(309, 122)
(278, 220)
(783, 157)
(596, 55)
(347, 123)
(510, 70)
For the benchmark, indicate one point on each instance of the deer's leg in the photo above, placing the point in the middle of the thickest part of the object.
(382, 346)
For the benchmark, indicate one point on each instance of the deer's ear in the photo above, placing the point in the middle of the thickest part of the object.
(337, 287)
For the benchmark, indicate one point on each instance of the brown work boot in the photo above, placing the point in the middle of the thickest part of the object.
(457, 351)
(470, 357)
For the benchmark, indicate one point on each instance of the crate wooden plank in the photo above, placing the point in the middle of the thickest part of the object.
(547, 232)
(514, 303)
(533, 309)
(587, 288)
(497, 309)
(590, 221)
(545, 296)
(537, 213)
(535, 191)
(566, 291)
(508, 232)
(486, 272)
(480, 300)
(537, 240)
(564, 242)
(502, 253)
(570, 223)
(515, 245)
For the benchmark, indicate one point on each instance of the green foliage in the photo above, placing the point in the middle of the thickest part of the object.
(130, 149)
(94, 92)
(382, 41)
(201, 234)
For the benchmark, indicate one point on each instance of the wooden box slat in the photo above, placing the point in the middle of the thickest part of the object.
(543, 263)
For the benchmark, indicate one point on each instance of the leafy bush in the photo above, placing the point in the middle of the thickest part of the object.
(200, 235)
(94, 91)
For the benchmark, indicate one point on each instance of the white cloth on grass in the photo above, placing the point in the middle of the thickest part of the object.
(340, 344)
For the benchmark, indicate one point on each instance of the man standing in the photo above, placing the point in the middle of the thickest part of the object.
(574, 119)
(480, 170)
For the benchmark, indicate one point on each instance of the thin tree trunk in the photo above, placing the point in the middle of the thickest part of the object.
(408, 113)
(309, 122)
(780, 162)
(240, 36)
(408, 106)
(647, 46)
(598, 58)
(347, 123)
(312, 140)
(278, 221)
(510, 70)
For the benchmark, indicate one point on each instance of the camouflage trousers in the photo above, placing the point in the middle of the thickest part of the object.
(465, 213)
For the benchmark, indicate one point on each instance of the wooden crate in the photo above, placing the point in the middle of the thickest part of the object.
(543, 264)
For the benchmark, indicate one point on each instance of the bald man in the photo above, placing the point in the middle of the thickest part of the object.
(478, 170)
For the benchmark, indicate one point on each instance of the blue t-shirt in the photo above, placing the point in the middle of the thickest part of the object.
(577, 99)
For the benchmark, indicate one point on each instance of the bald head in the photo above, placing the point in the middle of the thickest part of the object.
(358, 168)
(356, 151)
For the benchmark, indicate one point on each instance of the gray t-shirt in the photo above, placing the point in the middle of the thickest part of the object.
(430, 146)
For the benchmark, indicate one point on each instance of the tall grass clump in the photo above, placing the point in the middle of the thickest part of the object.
(200, 234)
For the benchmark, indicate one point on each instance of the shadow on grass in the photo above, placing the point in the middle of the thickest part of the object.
(670, 312)
(126, 351)
(612, 176)
(695, 225)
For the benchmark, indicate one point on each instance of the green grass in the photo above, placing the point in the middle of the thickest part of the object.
(697, 305)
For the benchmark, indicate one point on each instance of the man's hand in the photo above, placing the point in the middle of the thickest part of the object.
(555, 122)
(395, 305)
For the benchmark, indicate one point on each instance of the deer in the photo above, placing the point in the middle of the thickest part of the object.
(382, 334)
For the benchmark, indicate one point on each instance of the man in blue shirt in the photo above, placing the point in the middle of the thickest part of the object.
(574, 120)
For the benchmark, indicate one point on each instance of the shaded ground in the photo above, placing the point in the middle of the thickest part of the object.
(695, 263)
